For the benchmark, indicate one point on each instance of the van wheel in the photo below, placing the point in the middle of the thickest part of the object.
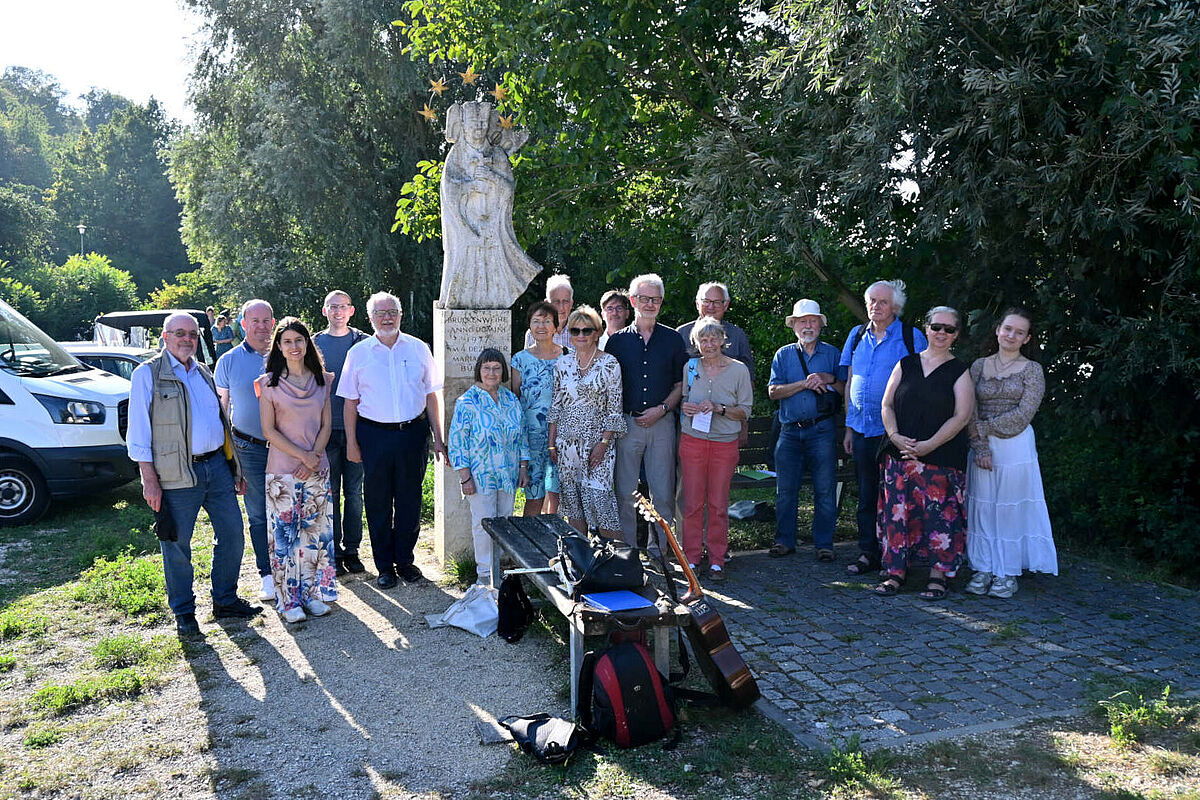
(23, 493)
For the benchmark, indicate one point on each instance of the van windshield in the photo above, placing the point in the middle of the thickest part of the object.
(29, 353)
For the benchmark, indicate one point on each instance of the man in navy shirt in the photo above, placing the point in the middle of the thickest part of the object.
(236, 372)
(870, 354)
(805, 383)
(652, 358)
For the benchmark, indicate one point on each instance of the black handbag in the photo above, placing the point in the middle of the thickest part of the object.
(599, 565)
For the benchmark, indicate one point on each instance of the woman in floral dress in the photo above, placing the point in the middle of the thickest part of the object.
(293, 397)
(1008, 524)
(585, 417)
(533, 383)
(488, 449)
(926, 405)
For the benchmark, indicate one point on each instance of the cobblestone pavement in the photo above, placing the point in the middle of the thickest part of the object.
(834, 660)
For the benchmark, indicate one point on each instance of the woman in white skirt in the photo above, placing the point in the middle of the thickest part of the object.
(1008, 526)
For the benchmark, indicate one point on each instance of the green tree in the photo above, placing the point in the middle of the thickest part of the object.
(76, 292)
(199, 288)
(306, 131)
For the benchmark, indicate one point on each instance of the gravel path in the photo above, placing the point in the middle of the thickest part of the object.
(366, 702)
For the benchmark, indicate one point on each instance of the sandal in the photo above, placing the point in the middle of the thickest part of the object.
(891, 586)
(935, 589)
(863, 565)
(780, 550)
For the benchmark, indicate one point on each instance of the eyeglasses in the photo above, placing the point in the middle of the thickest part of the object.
(183, 334)
(706, 302)
(385, 312)
(938, 327)
(338, 306)
(646, 298)
(581, 331)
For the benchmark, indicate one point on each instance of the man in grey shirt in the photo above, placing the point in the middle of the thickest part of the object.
(345, 476)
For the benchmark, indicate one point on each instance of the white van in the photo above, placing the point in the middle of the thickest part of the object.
(62, 423)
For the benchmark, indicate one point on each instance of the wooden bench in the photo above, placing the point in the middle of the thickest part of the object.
(757, 453)
(531, 542)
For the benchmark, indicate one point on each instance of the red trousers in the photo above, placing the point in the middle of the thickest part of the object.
(706, 470)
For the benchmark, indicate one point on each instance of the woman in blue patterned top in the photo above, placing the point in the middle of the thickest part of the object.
(489, 450)
(533, 382)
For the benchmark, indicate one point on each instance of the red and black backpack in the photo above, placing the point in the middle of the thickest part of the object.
(623, 697)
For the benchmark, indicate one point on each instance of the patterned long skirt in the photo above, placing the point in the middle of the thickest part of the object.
(300, 539)
(921, 513)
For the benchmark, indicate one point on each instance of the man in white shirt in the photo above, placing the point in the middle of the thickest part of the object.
(171, 394)
(390, 386)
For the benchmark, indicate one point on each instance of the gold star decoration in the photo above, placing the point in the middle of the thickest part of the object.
(438, 86)
(428, 113)
(469, 76)
(499, 93)
(506, 122)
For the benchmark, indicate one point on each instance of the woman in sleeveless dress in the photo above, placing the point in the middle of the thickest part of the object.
(926, 407)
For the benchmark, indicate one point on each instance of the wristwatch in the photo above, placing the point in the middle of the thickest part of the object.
(722, 409)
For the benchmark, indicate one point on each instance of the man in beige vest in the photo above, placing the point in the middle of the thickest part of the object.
(180, 440)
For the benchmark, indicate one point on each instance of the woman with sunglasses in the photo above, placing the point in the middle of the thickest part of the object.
(293, 402)
(926, 406)
(585, 417)
(1008, 527)
(533, 383)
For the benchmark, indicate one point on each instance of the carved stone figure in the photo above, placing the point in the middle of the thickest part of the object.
(483, 266)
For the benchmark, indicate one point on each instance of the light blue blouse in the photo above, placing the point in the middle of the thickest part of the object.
(488, 437)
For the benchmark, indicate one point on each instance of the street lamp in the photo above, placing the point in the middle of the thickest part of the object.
(81, 228)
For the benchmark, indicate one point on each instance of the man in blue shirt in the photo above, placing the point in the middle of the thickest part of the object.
(345, 476)
(804, 381)
(870, 354)
(236, 372)
(652, 358)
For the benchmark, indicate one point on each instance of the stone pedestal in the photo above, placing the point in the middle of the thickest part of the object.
(459, 335)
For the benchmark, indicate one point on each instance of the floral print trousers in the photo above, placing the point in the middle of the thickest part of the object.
(300, 539)
(921, 513)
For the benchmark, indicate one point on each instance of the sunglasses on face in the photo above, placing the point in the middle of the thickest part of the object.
(939, 327)
(581, 331)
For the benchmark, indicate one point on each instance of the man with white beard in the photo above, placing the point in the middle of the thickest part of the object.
(807, 383)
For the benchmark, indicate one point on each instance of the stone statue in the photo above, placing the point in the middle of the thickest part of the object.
(483, 266)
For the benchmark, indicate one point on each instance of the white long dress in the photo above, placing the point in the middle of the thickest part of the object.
(1008, 524)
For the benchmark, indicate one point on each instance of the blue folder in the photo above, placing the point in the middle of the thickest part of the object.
(620, 600)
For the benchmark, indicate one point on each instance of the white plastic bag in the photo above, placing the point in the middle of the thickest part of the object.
(476, 611)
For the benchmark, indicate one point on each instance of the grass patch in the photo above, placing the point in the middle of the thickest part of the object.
(59, 699)
(852, 770)
(131, 585)
(930, 699)
(1169, 764)
(1009, 631)
(20, 621)
(7, 662)
(460, 570)
(1120, 615)
(42, 737)
(849, 638)
(121, 651)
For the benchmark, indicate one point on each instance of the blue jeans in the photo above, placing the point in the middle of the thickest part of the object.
(813, 449)
(345, 478)
(215, 493)
(254, 467)
(866, 469)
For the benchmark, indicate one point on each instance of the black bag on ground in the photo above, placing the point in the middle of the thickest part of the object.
(515, 610)
(550, 740)
(624, 698)
(596, 565)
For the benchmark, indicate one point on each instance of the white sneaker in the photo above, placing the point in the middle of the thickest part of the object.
(980, 583)
(316, 608)
(294, 615)
(1003, 587)
(268, 588)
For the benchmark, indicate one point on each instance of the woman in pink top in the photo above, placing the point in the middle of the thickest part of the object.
(293, 398)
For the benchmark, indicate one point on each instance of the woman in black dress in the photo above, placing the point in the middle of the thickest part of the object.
(926, 407)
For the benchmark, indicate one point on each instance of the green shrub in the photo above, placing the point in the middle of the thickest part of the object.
(42, 737)
(120, 651)
(7, 663)
(1129, 715)
(134, 586)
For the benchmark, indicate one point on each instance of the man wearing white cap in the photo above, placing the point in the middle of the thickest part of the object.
(807, 383)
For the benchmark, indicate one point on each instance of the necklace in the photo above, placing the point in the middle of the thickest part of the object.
(583, 367)
(1002, 365)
